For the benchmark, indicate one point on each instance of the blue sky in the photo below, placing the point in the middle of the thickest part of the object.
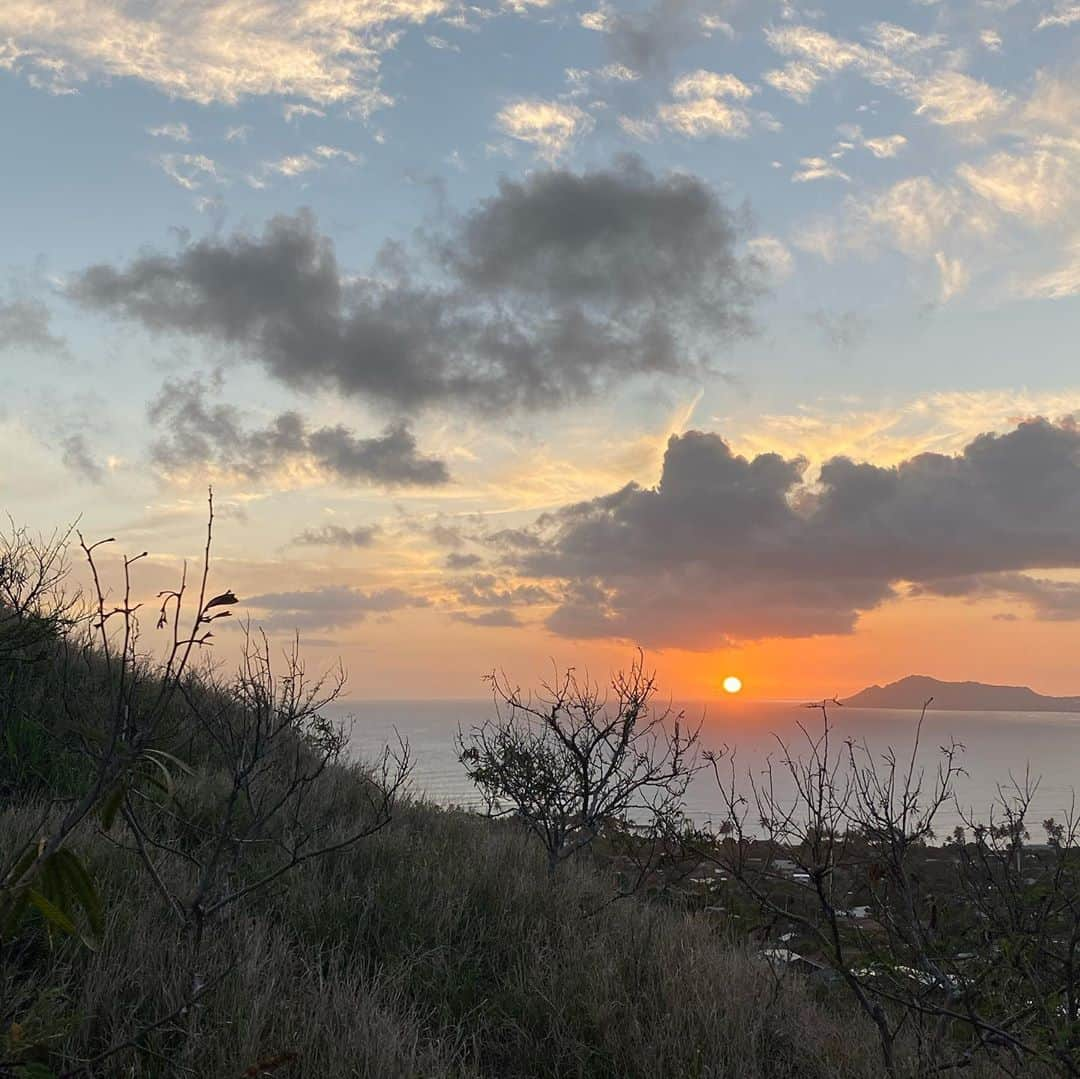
(902, 175)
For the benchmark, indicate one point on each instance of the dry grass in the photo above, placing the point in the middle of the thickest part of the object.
(437, 948)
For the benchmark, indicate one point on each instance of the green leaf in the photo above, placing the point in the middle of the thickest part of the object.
(52, 913)
(111, 806)
(82, 887)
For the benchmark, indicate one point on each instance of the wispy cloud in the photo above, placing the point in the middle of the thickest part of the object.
(178, 132)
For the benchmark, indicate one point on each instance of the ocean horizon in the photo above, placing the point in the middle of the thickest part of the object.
(999, 748)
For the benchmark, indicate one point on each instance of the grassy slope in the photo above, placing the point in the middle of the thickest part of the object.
(436, 948)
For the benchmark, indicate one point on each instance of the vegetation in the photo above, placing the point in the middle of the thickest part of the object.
(196, 882)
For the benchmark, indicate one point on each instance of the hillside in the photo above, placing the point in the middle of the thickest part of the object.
(916, 689)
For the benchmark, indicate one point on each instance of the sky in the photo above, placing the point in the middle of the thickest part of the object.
(529, 332)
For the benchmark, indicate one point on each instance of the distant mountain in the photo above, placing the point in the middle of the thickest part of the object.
(916, 689)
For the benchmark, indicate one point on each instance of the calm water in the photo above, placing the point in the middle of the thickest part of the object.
(996, 744)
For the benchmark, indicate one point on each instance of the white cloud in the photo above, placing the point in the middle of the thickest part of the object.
(797, 80)
(899, 40)
(817, 168)
(294, 109)
(709, 84)
(1064, 13)
(334, 153)
(176, 132)
(1036, 186)
(293, 165)
(599, 20)
(943, 96)
(951, 97)
(713, 24)
(774, 253)
(954, 276)
(644, 130)
(1060, 283)
(219, 50)
(885, 146)
(550, 126)
(701, 109)
(990, 40)
(911, 216)
(190, 171)
(298, 164)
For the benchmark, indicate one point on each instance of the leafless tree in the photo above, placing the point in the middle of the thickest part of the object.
(574, 760)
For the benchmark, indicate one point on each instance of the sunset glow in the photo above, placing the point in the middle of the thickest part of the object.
(732, 684)
(553, 330)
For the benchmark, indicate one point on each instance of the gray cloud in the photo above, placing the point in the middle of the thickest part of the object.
(455, 560)
(497, 619)
(728, 548)
(554, 288)
(76, 455)
(27, 324)
(328, 608)
(646, 40)
(1045, 599)
(199, 432)
(338, 536)
(486, 590)
(843, 330)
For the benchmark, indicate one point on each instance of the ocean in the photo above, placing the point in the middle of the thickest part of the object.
(999, 747)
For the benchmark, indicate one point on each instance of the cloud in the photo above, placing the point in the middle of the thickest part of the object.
(332, 607)
(190, 171)
(550, 126)
(176, 132)
(729, 548)
(817, 168)
(497, 619)
(553, 289)
(943, 96)
(1063, 13)
(951, 97)
(76, 456)
(217, 51)
(703, 106)
(796, 80)
(646, 40)
(338, 536)
(298, 164)
(26, 324)
(886, 146)
(1061, 282)
(954, 276)
(201, 434)
(1037, 186)
(455, 560)
(487, 590)
(774, 255)
(843, 330)
(1047, 600)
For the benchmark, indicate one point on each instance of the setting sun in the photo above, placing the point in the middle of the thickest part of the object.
(732, 684)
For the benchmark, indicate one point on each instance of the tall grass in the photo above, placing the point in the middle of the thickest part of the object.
(437, 948)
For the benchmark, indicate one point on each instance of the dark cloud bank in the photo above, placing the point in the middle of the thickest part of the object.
(556, 287)
(727, 548)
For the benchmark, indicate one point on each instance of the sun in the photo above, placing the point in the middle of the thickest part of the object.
(732, 684)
